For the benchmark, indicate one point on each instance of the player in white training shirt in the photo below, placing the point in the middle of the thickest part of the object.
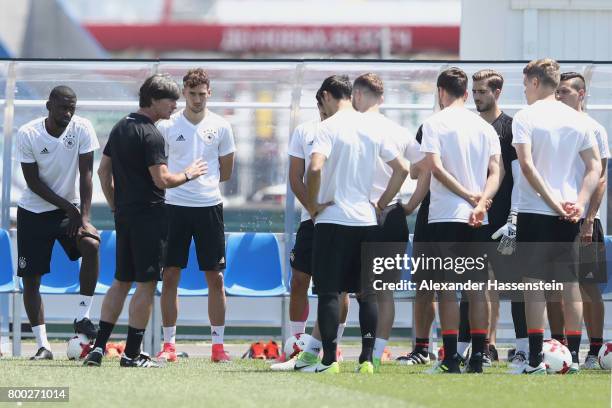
(593, 268)
(53, 150)
(553, 143)
(463, 152)
(195, 209)
(368, 90)
(339, 183)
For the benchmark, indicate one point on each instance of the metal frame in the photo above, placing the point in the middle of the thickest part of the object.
(153, 336)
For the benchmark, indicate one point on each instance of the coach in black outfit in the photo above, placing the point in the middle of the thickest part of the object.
(133, 174)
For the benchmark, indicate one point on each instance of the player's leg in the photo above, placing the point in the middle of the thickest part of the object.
(180, 231)
(594, 313)
(327, 267)
(519, 320)
(86, 246)
(35, 238)
(593, 271)
(448, 306)
(424, 314)
(169, 304)
(556, 321)
(344, 309)
(464, 338)
(395, 229)
(535, 312)
(209, 237)
(493, 319)
(532, 266)
(448, 309)
(298, 301)
(301, 271)
(572, 307)
(216, 313)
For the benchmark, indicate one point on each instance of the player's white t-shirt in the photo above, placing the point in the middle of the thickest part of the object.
(300, 146)
(351, 144)
(185, 142)
(601, 137)
(465, 143)
(406, 145)
(57, 159)
(557, 134)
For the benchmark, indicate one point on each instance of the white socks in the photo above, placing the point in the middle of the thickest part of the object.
(313, 346)
(216, 333)
(461, 347)
(40, 332)
(379, 347)
(297, 327)
(84, 307)
(170, 334)
(523, 345)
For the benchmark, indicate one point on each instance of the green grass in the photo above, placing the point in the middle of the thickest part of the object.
(246, 383)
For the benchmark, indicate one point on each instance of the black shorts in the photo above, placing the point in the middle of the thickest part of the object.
(301, 254)
(547, 247)
(205, 225)
(455, 252)
(336, 257)
(36, 234)
(141, 244)
(593, 267)
(395, 228)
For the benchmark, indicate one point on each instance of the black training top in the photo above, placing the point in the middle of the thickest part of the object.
(498, 213)
(423, 213)
(134, 145)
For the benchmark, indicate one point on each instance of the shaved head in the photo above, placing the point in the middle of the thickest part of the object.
(62, 92)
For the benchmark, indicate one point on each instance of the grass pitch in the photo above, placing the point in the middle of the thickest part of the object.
(196, 382)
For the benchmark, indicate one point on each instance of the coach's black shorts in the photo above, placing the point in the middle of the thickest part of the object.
(454, 252)
(205, 225)
(336, 257)
(36, 234)
(141, 244)
(547, 247)
(301, 254)
(593, 267)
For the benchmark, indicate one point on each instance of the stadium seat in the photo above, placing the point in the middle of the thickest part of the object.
(108, 249)
(193, 281)
(64, 275)
(606, 288)
(7, 279)
(253, 265)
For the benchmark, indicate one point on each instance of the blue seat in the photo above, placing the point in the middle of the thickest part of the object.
(253, 265)
(607, 287)
(108, 251)
(193, 281)
(64, 275)
(7, 279)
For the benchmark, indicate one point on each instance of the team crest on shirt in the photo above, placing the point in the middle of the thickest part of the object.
(209, 135)
(22, 262)
(69, 141)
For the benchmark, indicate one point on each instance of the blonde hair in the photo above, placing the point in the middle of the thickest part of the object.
(547, 70)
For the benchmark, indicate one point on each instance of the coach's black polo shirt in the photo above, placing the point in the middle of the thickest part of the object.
(134, 145)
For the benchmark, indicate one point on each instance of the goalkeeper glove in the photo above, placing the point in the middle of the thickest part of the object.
(507, 244)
